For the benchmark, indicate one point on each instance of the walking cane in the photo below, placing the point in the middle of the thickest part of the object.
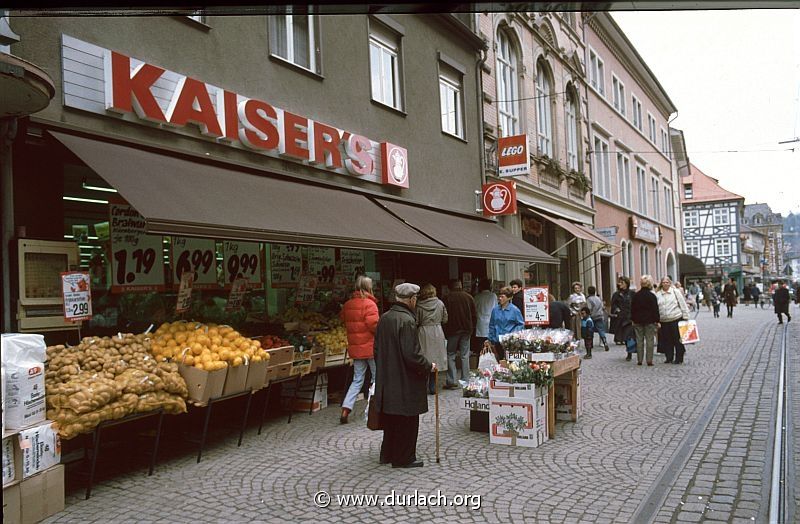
(436, 401)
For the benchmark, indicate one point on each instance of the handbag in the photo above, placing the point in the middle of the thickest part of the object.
(630, 345)
(374, 421)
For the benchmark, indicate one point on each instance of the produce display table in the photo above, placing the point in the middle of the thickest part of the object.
(565, 367)
(97, 433)
(209, 407)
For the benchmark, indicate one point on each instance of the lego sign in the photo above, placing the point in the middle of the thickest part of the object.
(500, 198)
(513, 158)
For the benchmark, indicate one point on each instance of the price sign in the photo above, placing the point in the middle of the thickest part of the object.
(351, 262)
(197, 255)
(306, 289)
(236, 296)
(321, 263)
(286, 264)
(77, 293)
(466, 281)
(242, 260)
(537, 310)
(185, 292)
(341, 285)
(137, 261)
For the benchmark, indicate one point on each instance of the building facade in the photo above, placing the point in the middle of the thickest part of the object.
(633, 180)
(712, 225)
(761, 218)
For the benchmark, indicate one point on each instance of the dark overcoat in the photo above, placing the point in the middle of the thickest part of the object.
(401, 376)
(781, 300)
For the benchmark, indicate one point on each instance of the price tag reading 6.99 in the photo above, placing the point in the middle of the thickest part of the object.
(242, 260)
(197, 255)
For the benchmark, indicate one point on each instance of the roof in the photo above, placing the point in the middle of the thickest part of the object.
(705, 188)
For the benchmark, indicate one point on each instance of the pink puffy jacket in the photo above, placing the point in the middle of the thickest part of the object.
(360, 317)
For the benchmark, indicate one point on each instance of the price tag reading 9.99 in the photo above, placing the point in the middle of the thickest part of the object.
(242, 260)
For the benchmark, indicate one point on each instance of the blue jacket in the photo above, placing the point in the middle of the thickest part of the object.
(504, 321)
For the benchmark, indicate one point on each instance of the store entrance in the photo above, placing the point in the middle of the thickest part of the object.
(605, 278)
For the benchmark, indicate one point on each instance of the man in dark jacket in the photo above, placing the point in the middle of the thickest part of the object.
(645, 318)
(401, 379)
(559, 313)
(461, 319)
(781, 300)
(519, 295)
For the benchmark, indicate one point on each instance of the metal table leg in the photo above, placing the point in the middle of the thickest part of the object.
(244, 419)
(205, 430)
(158, 439)
(313, 392)
(267, 396)
(93, 465)
(294, 397)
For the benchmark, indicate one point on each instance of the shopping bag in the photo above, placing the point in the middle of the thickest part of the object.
(374, 421)
(688, 331)
(630, 345)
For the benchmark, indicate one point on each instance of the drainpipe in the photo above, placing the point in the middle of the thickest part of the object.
(8, 131)
(584, 19)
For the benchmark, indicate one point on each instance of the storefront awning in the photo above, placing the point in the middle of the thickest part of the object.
(576, 230)
(178, 196)
(691, 265)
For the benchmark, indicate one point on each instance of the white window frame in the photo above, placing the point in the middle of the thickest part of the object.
(618, 94)
(636, 112)
(688, 191)
(722, 216)
(692, 247)
(451, 98)
(544, 114)
(669, 204)
(624, 179)
(313, 41)
(388, 46)
(656, 188)
(507, 86)
(571, 109)
(601, 168)
(659, 265)
(644, 257)
(651, 125)
(691, 218)
(641, 188)
(722, 247)
(664, 142)
(597, 72)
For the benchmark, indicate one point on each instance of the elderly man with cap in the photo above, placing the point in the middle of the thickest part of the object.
(401, 379)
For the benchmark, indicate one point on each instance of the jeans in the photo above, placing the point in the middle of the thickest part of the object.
(600, 328)
(359, 370)
(457, 343)
(645, 335)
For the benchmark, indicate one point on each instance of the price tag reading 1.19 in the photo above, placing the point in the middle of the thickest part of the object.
(198, 255)
(242, 260)
(137, 258)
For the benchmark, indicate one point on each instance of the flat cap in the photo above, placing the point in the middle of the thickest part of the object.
(406, 290)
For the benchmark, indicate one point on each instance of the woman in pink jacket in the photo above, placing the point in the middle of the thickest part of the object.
(360, 316)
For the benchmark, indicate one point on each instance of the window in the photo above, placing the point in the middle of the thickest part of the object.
(692, 247)
(295, 39)
(721, 217)
(723, 247)
(618, 94)
(624, 179)
(451, 98)
(572, 131)
(691, 219)
(507, 88)
(198, 16)
(641, 189)
(384, 60)
(659, 265)
(687, 191)
(544, 116)
(651, 124)
(644, 257)
(597, 73)
(627, 258)
(655, 187)
(636, 110)
(664, 142)
(668, 205)
(602, 169)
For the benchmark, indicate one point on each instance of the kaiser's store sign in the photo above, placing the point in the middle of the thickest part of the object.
(500, 198)
(104, 81)
(513, 156)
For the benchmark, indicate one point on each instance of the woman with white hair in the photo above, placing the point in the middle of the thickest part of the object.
(645, 318)
(671, 309)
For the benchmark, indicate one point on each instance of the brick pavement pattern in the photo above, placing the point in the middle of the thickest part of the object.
(596, 470)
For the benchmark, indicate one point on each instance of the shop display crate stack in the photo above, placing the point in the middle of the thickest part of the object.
(517, 414)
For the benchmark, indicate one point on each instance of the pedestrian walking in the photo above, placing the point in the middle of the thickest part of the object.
(560, 314)
(707, 294)
(402, 373)
(598, 315)
(755, 293)
(360, 317)
(621, 311)
(485, 301)
(671, 310)
(517, 287)
(462, 317)
(587, 331)
(506, 318)
(730, 294)
(645, 318)
(715, 302)
(781, 301)
(575, 302)
(746, 294)
(431, 313)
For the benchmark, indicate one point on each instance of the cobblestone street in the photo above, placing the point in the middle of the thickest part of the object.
(665, 443)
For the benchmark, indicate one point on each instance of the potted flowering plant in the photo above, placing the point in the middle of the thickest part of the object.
(539, 374)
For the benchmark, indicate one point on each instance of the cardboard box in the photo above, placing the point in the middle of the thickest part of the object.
(498, 388)
(11, 505)
(256, 375)
(475, 404)
(42, 495)
(202, 384)
(282, 355)
(235, 380)
(302, 367)
(39, 448)
(518, 421)
(279, 372)
(568, 406)
(317, 361)
(301, 355)
(12, 461)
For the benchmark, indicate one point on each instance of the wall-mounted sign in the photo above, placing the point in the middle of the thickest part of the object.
(500, 198)
(321, 263)
(286, 264)
(77, 293)
(532, 226)
(242, 260)
(198, 255)
(351, 263)
(137, 259)
(513, 158)
(608, 232)
(102, 81)
(645, 230)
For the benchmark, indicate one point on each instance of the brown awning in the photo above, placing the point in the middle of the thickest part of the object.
(179, 196)
(468, 235)
(576, 230)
